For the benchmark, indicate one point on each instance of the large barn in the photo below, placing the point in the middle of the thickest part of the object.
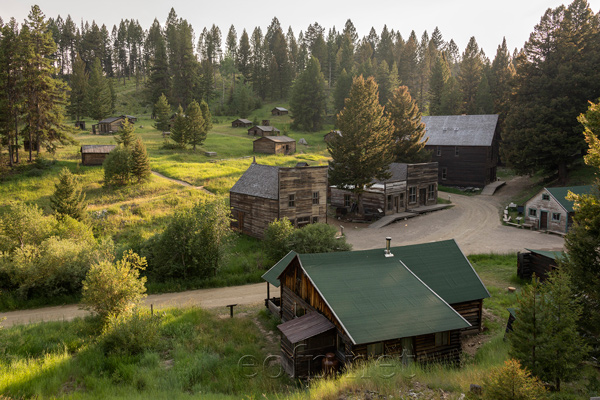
(413, 302)
(465, 147)
(265, 193)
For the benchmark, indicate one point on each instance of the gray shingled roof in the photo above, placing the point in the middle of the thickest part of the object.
(267, 128)
(97, 148)
(280, 109)
(398, 171)
(258, 180)
(109, 120)
(280, 139)
(245, 121)
(460, 130)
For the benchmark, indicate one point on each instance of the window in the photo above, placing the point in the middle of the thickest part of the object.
(444, 173)
(439, 151)
(456, 151)
(431, 192)
(412, 195)
(555, 217)
(375, 349)
(300, 311)
(347, 199)
(442, 338)
(292, 200)
(545, 196)
(532, 212)
(315, 220)
(303, 221)
(390, 205)
(315, 197)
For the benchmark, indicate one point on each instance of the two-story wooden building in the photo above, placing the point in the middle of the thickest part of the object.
(549, 210)
(410, 186)
(413, 302)
(274, 145)
(265, 193)
(465, 147)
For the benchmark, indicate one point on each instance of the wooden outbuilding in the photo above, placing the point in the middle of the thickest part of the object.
(331, 134)
(279, 111)
(465, 147)
(94, 154)
(263, 130)
(549, 210)
(538, 262)
(112, 124)
(274, 145)
(265, 193)
(241, 123)
(413, 303)
(410, 186)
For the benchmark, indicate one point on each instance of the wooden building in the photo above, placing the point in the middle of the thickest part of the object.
(279, 111)
(411, 302)
(241, 123)
(263, 130)
(538, 262)
(549, 210)
(410, 186)
(112, 124)
(274, 145)
(94, 154)
(465, 147)
(265, 193)
(331, 134)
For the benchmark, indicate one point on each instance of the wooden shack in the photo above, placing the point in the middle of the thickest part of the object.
(265, 193)
(279, 111)
(549, 210)
(465, 147)
(263, 130)
(112, 124)
(407, 303)
(274, 145)
(410, 186)
(331, 134)
(95, 154)
(241, 123)
(538, 262)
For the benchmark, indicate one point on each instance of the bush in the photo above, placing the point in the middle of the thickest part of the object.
(511, 382)
(278, 238)
(130, 334)
(117, 166)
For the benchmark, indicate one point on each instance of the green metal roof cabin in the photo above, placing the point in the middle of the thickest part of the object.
(411, 301)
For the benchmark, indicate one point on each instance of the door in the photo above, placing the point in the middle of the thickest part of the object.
(397, 203)
(544, 220)
(423, 196)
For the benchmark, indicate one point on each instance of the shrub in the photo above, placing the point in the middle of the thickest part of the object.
(68, 198)
(278, 238)
(511, 382)
(130, 334)
(318, 238)
(114, 289)
(117, 166)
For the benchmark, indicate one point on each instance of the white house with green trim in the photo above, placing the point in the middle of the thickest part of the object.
(549, 210)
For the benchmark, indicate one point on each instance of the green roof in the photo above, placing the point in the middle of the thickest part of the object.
(272, 275)
(555, 255)
(378, 298)
(560, 194)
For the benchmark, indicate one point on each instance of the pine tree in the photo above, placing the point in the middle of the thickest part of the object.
(178, 130)
(140, 165)
(10, 88)
(68, 198)
(78, 105)
(387, 80)
(405, 116)
(501, 76)
(99, 96)
(195, 125)
(440, 72)
(125, 135)
(484, 103)
(308, 100)
(341, 90)
(244, 55)
(452, 99)
(364, 151)
(159, 79)
(470, 75)
(162, 111)
(207, 117)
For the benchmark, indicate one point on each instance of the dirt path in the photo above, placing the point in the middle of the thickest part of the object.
(182, 183)
(207, 298)
(473, 221)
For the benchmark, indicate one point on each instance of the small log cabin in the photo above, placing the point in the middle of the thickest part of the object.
(412, 302)
(331, 134)
(549, 210)
(112, 124)
(94, 154)
(538, 262)
(410, 186)
(263, 130)
(274, 145)
(465, 147)
(279, 111)
(241, 123)
(265, 193)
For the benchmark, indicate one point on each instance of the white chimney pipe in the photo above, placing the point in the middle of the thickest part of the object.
(387, 252)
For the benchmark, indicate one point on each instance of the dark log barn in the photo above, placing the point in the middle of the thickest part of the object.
(413, 302)
(112, 124)
(94, 154)
(265, 193)
(410, 186)
(331, 134)
(279, 111)
(274, 145)
(241, 123)
(549, 210)
(263, 130)
(465, 147)
(538, 262)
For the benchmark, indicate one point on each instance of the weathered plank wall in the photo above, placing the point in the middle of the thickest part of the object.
(302, 182)
(421, 176)
(92, 158)
(472, 312)
(473, 166)
(549, 206)
(257, 213)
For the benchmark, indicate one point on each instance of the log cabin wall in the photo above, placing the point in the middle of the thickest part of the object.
(263, 145)
(472, 311)
(253, 213)
(93, 158)
(465, 165)
(427, 351)
(308, 186)
(533, 263)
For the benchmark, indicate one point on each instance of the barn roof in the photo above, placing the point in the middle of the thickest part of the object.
(97, 148)
(266, 128)
(258, 180)
(244, 121)
(560, 194)
(280, 109)
(460, 130)
(110, 120)
(279, 139)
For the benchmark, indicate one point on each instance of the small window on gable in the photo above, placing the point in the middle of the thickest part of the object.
(456, 151)
(292, 200)
(545, 196)
(439, 151)
(556, 217)
(532, 212)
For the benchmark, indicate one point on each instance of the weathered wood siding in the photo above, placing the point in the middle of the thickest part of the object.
(427, 351)
(471, 311)
(266, 146)
(303, 359)
(92, 158)
(533, 263)
(256, 213)
(255, 131)
(549, 206)
(472, 166)
(111, 127)
(239, 124)
(422, 176)
(302, 183)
